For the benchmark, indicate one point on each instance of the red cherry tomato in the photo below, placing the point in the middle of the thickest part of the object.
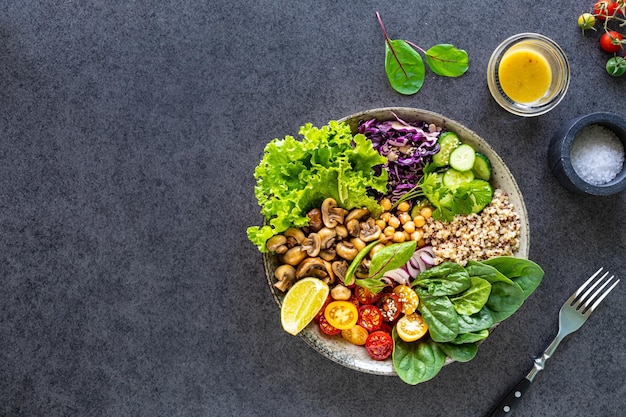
(321, 312)
(391, 307)
(365, 296)
(611, 42)
(370, 317)
(326, 327)
(604, 9)
(379, 345)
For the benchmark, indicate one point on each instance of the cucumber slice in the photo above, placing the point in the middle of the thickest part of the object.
(462, 158)
(482, 167)
(448, 141)
(486, 192)
(453, 178)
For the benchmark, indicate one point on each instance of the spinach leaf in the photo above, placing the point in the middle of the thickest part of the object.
(404, 67)
(474, 298)
(416, 362)
(447, 61)
(476, 322)
(459, 353)
(448, 278)
(470, 337)
(440, 316)
(525, 273)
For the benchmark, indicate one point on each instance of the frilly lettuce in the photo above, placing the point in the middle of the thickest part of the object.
(295, 176)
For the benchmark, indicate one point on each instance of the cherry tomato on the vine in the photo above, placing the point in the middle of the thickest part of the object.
(604, 9)
(616, 66)
(611, 41)
(379, 345)
(586, 21)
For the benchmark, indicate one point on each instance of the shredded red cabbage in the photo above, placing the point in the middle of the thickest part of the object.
(408, 147)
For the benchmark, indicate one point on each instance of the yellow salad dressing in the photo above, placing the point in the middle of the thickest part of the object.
(525, 75)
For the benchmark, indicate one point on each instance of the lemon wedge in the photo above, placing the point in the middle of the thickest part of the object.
(302, 302)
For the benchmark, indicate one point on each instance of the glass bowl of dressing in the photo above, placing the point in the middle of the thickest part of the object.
(528, 74)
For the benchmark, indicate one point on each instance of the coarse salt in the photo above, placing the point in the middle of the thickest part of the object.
(597, 154)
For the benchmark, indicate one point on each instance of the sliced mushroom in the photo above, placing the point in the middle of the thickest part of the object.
(294, 237)
(340, 268)
(342, 231)
(331, 214)
(346, 250)
(277, 244)
(370, 231)
(354, 227)
(315, 219)
(357, 214)
(286, 276)
(358, 243)
(327, 237)
(316, 267)
(294, 256)
(312, 245)
(328, 254)
(363, 270)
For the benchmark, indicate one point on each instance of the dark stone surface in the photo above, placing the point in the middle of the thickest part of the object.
(129, 132)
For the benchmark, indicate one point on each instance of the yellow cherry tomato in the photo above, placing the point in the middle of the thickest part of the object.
(341, 315)
(409, 298)
(411, 328)
(356, 335)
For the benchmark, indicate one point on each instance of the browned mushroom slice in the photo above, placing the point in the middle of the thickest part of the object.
(315, 219)
(294, 237)
(363, 270)
(285, 276)
(315, 267)
(340, 268)
(357, 214)
(370, 231)
(327, 237)
(328, 254)
(346, 250)
(312, 244)
(293, 256)
(331, 214)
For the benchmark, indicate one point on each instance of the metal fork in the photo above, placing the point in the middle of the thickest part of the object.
(572, 316)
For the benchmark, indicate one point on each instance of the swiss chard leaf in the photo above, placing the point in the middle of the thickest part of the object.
(417, 362)
(440, 316)
(447, 61)
(391, 257)
(404, 67)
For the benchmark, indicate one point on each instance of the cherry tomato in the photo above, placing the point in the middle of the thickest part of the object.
(411, 327)
(356, 335)
(370, 317)
(604, 9)
(326, 327)
(354, 301)
(365, 296)
(611, 42)
(341, 314)
(408, 297)
(385, 327)
(379, 345)
(616, 66)
(586, 21)
(391, 307)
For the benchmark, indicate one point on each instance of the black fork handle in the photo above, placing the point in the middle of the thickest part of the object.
(511, 400)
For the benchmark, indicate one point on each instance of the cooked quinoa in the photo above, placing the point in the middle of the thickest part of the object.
(493, 232)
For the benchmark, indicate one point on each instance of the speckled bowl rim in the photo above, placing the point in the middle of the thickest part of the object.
(561, 146)
(355, 357)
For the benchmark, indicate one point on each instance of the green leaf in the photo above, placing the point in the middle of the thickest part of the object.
(447, 61)
(391, 257)
(447, 278)
(460, 353)
(404, 67)
(416, 362)
(476, 322)
(471, 337)
(440, 316)
(474, 298)
(354, 264)
(525, 273)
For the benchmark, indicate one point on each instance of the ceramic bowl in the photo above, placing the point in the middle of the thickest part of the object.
(560, 149)
(356, 357)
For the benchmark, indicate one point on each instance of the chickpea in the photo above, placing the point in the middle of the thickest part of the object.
(419, 220)
(381, 223)
(421, 243)
(394, 222)
(341, 293)
(409, 227)
(385, 203)
(389, 231)
(404, 206)
(376, 248)
(398, 237)
(404, 217)
(426, 212)
(417, 235)
(385, 216)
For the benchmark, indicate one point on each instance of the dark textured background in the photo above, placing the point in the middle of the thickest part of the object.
(129, 131)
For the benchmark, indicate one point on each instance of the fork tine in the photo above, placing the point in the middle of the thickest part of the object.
(599, 300)
(574, 297)
(583, 298)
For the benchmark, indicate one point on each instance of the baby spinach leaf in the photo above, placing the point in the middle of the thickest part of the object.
(471, 337)
(474, 298)
(447, 61)
(439, 315)
(404, 67)
(523, 272)
(476, 322)
(417, 362)
(460, 353)
(447, 278)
